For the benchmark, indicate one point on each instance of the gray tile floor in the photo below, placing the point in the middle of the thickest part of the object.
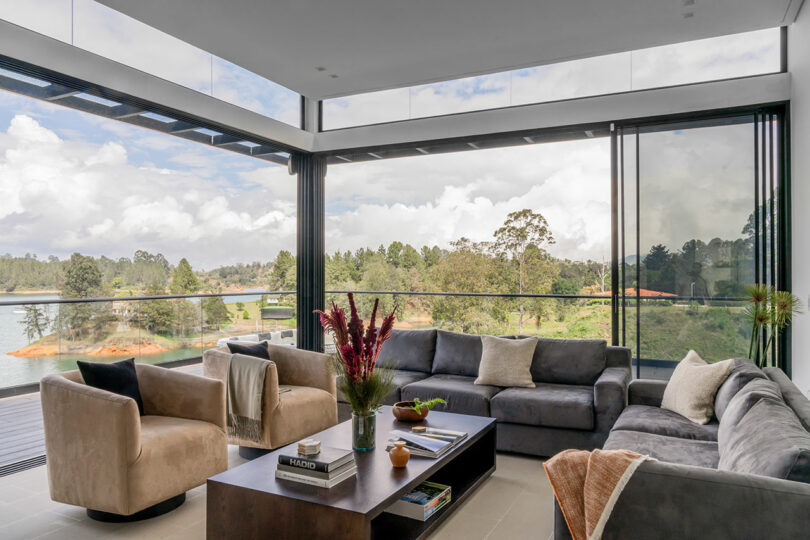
(515, 503)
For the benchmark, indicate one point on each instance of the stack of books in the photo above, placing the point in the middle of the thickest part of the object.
(422, 502)
(327, 468)
(431, 443)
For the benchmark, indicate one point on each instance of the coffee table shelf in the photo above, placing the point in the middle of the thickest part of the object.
(249, 502)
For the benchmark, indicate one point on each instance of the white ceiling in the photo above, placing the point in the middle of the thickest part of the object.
(379, 44)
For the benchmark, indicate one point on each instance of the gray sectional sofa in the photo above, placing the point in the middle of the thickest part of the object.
(581, 388)
(746, 474)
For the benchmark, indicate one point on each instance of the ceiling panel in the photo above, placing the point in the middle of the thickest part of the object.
(325, 48)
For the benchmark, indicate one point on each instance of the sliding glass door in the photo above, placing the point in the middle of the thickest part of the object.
(698, 222)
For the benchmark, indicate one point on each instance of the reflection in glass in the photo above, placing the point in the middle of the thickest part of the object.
(48, 17)
(696, 200)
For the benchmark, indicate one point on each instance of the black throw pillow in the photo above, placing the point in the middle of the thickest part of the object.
(118, 378)
(250, 349)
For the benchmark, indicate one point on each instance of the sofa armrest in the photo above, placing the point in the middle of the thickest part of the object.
(618, 357)
(303, 368)
(91, 437)
(666, 500)
(610, 397)
(170, 392)
(646, 392)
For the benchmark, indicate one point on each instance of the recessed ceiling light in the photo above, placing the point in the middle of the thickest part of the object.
(320, 68)
(688, 15)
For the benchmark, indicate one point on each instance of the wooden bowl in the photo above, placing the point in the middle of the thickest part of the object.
(403, 413)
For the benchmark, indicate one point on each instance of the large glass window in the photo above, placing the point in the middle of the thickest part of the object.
(724, 57)
(692, 192)
(102, 30)
(94, 208)
(446, 224)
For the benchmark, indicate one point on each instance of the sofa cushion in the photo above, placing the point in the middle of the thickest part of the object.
(258, 350)
(791, 394)
(457, 354)
(742, 402)
(769, 441)
(506, 362)
(461, 395)
(568, 361)
(663, 448)
(693, 386)
(550, 405)
(119, 378)
(742, 371)
(660, 421)
(401, 379)
(410, 350)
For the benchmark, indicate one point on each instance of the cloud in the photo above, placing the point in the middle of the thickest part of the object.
(434, 200)
(59, 196)
(716, 58)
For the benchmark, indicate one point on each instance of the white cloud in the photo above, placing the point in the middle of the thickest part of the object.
(437, 199)
(59, 196)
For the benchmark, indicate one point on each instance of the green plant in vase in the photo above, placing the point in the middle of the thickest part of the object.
(419, 405)
(359, 379)
(770, 312)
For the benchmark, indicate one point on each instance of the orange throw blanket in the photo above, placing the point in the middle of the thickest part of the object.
(587, 485)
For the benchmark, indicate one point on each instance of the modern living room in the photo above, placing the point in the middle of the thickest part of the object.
(351, 270)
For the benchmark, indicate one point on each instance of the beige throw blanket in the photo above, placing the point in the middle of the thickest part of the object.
(246, 376)
(588, 484)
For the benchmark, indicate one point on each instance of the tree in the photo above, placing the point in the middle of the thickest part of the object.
(245, 315)
(183, 279)
(281, 273)
(157, 316)
(35, 322)
(82, 277)
(394, 252)
(216, 312)
(657, 258)
(409, 257)
(521, 230)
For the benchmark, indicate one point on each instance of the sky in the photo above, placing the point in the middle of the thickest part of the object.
(70, 181)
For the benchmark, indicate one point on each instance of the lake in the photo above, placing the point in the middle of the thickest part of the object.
(15, 371)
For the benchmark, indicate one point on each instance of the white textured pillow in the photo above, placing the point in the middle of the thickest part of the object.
(691, 389)
(506, 362)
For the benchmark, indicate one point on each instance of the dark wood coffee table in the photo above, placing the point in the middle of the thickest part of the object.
(248, 502)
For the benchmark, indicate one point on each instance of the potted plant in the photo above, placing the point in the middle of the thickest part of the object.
(770, 312)
(362, 383)
(416, 410)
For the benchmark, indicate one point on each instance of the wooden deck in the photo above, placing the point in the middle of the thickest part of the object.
(22, 438)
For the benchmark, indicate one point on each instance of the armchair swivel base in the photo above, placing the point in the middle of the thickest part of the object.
(155, 510)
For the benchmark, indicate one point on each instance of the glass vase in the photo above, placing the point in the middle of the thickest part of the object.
(363, 431)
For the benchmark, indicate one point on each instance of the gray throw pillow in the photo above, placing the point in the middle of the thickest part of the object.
(742, 402)
(506, 362)
(691, 389)
(742, 372)
(769, 441)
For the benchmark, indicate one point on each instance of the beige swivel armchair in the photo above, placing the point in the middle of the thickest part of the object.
(299, 396)
(103, 456)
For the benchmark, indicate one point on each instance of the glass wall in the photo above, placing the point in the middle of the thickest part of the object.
(102, 30)
(447, 225)
(738, 55)
(94, 208)
(691, 192)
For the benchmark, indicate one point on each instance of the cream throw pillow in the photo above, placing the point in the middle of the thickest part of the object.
(506, 362)
(691, 389)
